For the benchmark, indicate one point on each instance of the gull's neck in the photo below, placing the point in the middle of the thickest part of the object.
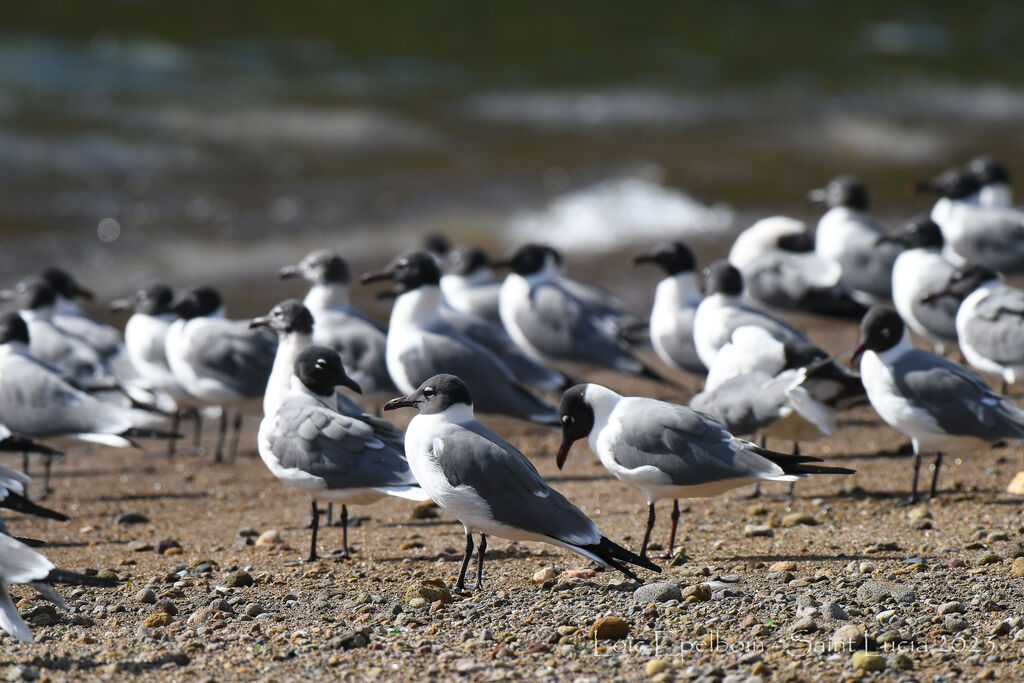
(418, 306)
(326, 295)
(602, 401)
(676, 291)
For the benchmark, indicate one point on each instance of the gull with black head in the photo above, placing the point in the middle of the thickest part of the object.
(489, 486)
(943, 407)
(306, 443)
(669, 451)
(469, 285)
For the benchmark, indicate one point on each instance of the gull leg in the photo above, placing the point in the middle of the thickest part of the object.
(197, 430)
(218, 453)
(672, 534)
(461, 583)
(480, 561)
(935, 474)
(756, 493)
(173, 441)
(344, 530)
(329, 514)
(647, 534)
(233, 451)
(315, 525)
(47, 465)
(917, 470)
(792, 484)
(25, 458)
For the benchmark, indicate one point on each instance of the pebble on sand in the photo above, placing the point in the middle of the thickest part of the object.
(797, 518)
(866, 660)
(657, 592)
(430, 590)
(545, 574)
(656, 666)
(1017, 569)
(783, 566)
(270, 537)
(754, 530)
(609, 628)
(239, 579)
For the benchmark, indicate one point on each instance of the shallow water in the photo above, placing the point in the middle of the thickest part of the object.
(137, 143)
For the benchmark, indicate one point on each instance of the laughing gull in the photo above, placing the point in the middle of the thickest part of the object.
(776, 257)
(994, 179)
(422, 342)
(217, 361)
(987, 235)
(547, 317)
(941, 406)
(70, 318)
(488, 485)
(360, 340)
(145, 336)
(920, 270)
(847, 235)
(38, 402)
(308, 444)
(675, 304)
(21, 564)
(722, 313)
(669, 451)
(989, 323)
(469, 285)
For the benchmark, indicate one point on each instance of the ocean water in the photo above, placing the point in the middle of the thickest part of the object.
(135, 144)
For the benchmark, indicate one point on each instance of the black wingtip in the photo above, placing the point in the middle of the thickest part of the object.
(76, 579)
(19, 503)
(20, 444)
(614, 554)
(141, 433)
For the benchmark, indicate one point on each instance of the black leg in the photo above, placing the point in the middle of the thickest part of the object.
(197, 430)
(329, 514)
(935, 475)
(461, 583)
(344, 530)
(917, 470)
(25, 458)
(233, 451)
(173, 441)
(218, 453)
(480, 561)
(672, 534)
(48, 465)
(792, 484)
(647, 534)
(1005, 388)
(315, 526)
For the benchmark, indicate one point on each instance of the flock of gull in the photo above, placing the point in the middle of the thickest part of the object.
(460, 340)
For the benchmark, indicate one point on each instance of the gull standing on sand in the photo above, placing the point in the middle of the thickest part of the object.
(669, 451)
(989, 322)
(722, 313)
(359, 339)
(777, 259)
(988, 235)
(547, 318)
(943, 407)
(308, 444)
(847, 235)
(921, 270)
(21, 564)
(423, 342)
(675, 304)
(489, 486)
(218, 361)
(70, 318)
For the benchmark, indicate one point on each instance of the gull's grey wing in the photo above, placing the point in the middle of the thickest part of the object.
(784, 280)
(344, 451)
(104, 339)
(472, 455)
(561, 326)
(71, 355)
(994, 238)
(746, 403)
(997, 328)
(959, 401)
(491, 383)
(362, 347)
(938, 316)
(868, 267)
(691, 448)
(39, 404)
(235, 356)
(799, 350)
(497, 340)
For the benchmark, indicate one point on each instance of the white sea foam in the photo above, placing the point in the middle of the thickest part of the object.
(621, 211)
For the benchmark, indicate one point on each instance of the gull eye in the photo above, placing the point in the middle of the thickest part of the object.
(566, 419)
(428, 392)
(321, 363)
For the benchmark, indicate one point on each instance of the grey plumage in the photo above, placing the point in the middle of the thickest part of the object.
(361, 343)
(996, 330)
(235, 356)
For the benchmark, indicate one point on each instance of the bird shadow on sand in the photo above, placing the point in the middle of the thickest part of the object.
(456, 556)
(195, 495)
(839, 557)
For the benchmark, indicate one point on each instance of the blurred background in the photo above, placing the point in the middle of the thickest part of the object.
(219, 140)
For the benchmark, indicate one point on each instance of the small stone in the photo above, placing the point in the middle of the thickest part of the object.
(162, 546)
(1017, 568)
(107, 574)
(431, 590)
(784, 566)
(200, 616)
(656, 666)
(833, 610)
(847, 638)
(901, 662)
(42, 615)
(16, 673)
(157, 620)
(239, 579)
(797, 518)
(756, 510)
(417, 603)
(353, 639)
(950, 608)
(222, 605)
(427, 510)
(609, 628)
(566, 630)
(954, 622)
(657, 592)
(411, 545)
(889, 637)
(165, 606)
(270, 537)
(129, 518)
(699, 593)
(866, 660)
(805, 625)
(1002, 628)
(1016, 486)
(254, 610)
(578, 574)
(755, 530)
(140, 546)
(918, 513)
(545, 574)
(988, 558)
